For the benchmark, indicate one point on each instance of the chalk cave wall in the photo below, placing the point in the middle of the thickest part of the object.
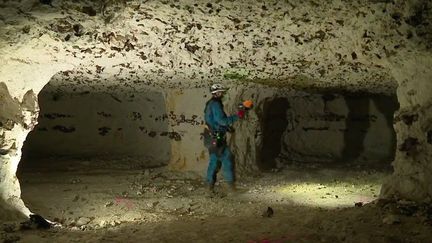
(15, 119)
(337, 128)
(153, 126)
(101, 122)
(116, 123)
(296, 126)
(413, 125)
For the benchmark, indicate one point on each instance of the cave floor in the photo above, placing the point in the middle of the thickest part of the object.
(132, 204)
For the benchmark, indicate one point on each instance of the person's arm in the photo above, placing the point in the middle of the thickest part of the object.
(220, 118)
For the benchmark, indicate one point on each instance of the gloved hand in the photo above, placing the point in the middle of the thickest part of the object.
(243, 107)
(241, 113)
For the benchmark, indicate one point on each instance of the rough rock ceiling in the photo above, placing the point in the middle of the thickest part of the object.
(303, 44)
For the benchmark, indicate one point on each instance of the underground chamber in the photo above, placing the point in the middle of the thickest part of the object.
(92, 146)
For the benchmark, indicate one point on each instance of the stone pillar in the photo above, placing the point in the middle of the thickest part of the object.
(247, 140)
(20, 83)
(17, 119)
(185, 111)
(412, 177)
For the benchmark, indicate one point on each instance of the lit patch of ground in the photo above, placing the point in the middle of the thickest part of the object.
(142, 205)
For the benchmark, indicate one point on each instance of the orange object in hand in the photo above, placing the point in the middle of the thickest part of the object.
(248, 104)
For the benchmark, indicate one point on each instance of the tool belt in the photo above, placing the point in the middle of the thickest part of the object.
(218, 139)
(214, 140)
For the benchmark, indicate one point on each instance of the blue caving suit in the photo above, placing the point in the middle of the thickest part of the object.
(218, 123)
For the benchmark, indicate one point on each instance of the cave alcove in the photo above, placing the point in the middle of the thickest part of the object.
(328, 129)
(275, 122)
(92, 129)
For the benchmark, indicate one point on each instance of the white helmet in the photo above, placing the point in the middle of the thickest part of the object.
(217, 88)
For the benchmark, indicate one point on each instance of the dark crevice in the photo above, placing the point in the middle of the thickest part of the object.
(275, 123)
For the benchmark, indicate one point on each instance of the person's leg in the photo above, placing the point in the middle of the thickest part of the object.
(227, 166)
(212, 170)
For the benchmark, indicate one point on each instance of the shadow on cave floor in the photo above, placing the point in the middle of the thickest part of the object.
(88, 164)
(288, 224)
(159, 205)
(108, 197)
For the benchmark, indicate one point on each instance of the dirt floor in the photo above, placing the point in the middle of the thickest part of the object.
(122, 203)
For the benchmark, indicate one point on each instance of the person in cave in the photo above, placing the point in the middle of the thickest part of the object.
(217, 125)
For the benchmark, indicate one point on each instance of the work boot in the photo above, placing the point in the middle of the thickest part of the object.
(210, 187)
(210, 190)
(231, 189)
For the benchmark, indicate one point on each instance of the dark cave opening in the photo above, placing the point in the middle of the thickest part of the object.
(275, 123)
(328, 130)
